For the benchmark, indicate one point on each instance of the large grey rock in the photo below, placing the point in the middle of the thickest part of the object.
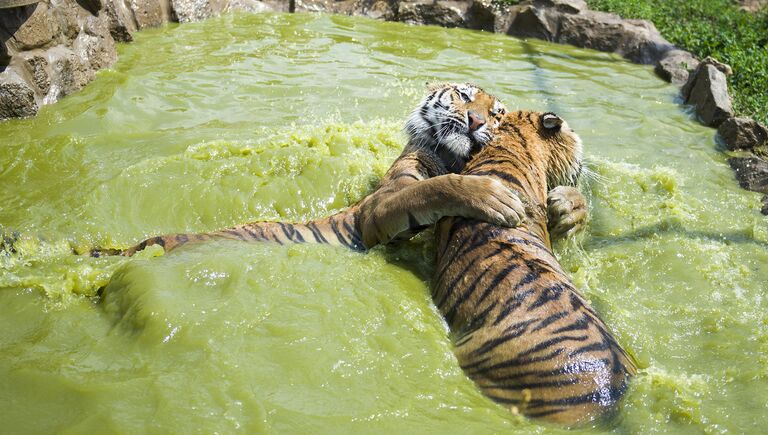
(196, 10)
(564, 6)
(17, 98)
(378, 9)
(765, 206)
(69, 73)
(751, 173)
(95, 45)
(122, 23)
(252, 6)
(35, 65)
(28, 27)
(151, 13)
(676, 65)
(742, 133)
(532, 22)
(707, 90)
(636, 40)
(481, 15)
(440, 13)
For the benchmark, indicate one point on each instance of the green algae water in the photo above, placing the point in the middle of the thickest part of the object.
(262, 117)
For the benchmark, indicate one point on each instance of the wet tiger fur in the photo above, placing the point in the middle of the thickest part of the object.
(420, 187)
(522, 332)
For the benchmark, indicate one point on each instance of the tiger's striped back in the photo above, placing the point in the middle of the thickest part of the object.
(522, 331)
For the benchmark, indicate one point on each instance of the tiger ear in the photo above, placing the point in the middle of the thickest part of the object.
(551, 121)
(432, 87)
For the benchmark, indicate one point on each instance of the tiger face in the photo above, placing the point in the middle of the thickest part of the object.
(453, 120)
(549, 140)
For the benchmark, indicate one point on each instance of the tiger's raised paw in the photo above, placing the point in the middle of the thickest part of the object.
(489, 200)
(566, 211)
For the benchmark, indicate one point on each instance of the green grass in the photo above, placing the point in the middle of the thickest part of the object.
(714, 28)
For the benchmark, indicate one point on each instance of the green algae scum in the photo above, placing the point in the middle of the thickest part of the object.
(252, 117)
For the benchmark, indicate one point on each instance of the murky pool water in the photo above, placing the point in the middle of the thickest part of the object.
(292, 117)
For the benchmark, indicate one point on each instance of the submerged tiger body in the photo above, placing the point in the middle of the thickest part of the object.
(522, 332)
(420, 188)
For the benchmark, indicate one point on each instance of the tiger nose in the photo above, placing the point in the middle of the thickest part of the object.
(475, 120)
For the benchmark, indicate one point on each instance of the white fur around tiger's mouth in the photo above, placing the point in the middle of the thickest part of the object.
(450, 134)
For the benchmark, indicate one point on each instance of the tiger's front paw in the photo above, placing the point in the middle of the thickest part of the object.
(566, 211)
(491, 201)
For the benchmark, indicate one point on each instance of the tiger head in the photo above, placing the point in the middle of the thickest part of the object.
(542, 145)
(453, 120)
(552, 142)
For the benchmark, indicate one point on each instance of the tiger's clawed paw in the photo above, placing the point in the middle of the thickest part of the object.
(566, 211)
(491, 201)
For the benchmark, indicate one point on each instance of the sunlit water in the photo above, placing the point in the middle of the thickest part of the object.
(292, 117)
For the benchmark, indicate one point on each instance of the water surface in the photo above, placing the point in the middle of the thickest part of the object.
(252, 117)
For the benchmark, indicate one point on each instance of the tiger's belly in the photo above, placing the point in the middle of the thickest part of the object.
(522, 332)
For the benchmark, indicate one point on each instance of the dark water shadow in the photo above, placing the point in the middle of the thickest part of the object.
(673, 227)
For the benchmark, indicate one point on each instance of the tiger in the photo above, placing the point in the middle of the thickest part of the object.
(520, 329)
(422, 185)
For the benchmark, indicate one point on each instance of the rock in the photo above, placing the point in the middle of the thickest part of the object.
(153, 13)
(36, 66)
(481, 16)
(94, 44)
(196, 10)
(252, 6)
(707, 90)
(751, 173)
(68, 73)
(532, 22)
(121, 21)
(765, 206)
(722, 67)
(742, 133)
(636, 40)
(379, 10)
(565, 6)
(675, 66)
(28, 27)
(17, 98)
(440, 13)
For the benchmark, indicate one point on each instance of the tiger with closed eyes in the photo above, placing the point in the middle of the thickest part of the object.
(422, 186)
(521, 330)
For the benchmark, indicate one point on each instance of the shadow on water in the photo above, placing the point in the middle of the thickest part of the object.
(673, 227)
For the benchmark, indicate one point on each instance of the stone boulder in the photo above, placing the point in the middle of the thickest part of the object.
(765, 206)
(707, 90)
(751, 173)
(440, 13)
(742, 134)
(636, 40)
(675, 66)
(17, 98)
(151, 13)
(532, 22)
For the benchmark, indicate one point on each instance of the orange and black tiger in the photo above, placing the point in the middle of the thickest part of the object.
(522, 332)
(421, 186)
